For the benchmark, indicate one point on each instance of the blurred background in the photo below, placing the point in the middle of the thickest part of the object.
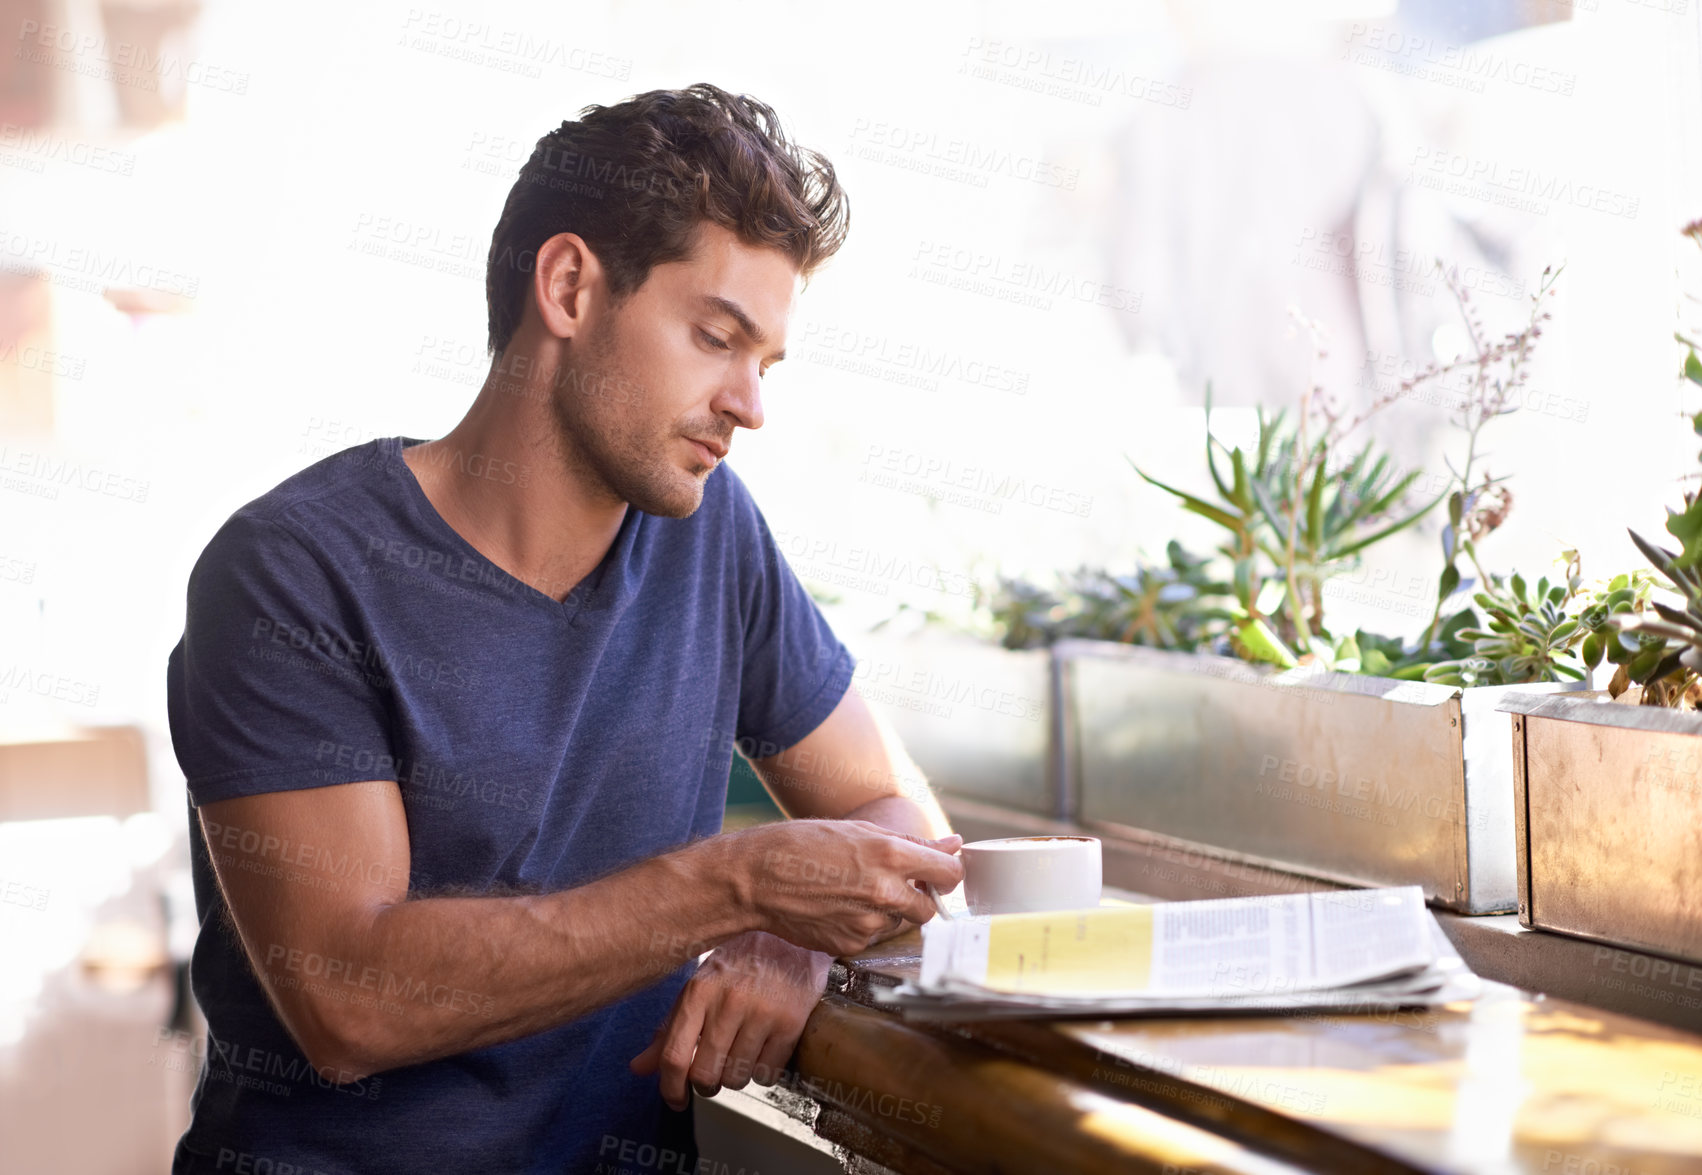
(236, 238)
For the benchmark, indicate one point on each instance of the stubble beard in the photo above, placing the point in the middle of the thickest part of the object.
(603, 437)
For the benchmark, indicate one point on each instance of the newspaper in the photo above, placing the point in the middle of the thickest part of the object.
(1345, 949)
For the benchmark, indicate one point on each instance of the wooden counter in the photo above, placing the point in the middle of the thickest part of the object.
(1508, 1083)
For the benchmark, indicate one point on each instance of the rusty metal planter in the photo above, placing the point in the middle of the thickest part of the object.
(1608, 808)
(1349, 778)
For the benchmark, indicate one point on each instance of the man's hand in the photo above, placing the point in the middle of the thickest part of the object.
(840, 885)
(738, 1018)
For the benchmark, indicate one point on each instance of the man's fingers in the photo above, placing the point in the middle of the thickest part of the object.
(949, 843)
(741, 1058)
(679, 1048)
(645, 1063)
(771, 1062)
(719, 1031)
(914, 906)
(923, 863)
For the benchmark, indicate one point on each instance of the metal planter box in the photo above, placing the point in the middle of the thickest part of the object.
(1364, 780)
(977, 718)
(1608, 806)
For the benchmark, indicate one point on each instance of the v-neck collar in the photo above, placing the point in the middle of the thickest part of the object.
(606, 584)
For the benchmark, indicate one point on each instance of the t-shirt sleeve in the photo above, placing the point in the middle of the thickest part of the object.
(796, 670)
(272, 687)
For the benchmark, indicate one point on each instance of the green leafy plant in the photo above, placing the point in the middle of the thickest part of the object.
(1532, 632)
(1387, 656)
(1665, 659)
(1027, 615)
(1179, 604)
(1664, 654)
(1300, 506)
(1659, 646)
(1296, 514)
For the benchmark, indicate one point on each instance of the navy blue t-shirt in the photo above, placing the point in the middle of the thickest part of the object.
(338, 629)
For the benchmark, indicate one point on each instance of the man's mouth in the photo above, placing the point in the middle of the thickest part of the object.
(712, 450)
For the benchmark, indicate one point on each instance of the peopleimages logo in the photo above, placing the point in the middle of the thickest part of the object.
(126, 62)
(1527, 189)
(43, 475)
(628, 1156)
(388, 989)
(1465, 67)
(58, 686)
(511, 50)
(244, 1163)
(1024, 282)
(84, 267)
(1077, 79)
(931, 475)
(871, 353)
(378, 667)
(37, 146)
(954, 157)
(429, 784)
(254, 1066)
(873, 570)
(917, 685)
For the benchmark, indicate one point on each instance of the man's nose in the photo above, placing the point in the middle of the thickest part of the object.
(742, 398)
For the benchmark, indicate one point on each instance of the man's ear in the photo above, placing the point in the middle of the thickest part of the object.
(563, 281)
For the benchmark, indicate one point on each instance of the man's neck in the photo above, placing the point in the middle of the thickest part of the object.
(505, 480)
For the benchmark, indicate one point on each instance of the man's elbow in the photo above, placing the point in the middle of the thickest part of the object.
(341, 1047)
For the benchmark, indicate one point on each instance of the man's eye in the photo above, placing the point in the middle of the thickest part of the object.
(718, 344)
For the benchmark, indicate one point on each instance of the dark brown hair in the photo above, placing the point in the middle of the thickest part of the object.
(637, 181)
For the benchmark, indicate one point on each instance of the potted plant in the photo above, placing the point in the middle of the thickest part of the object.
(1609, 794)
(1207, 700)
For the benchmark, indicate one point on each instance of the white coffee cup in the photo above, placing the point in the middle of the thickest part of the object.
(1022, 874)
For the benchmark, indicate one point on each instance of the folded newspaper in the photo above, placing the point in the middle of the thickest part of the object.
(1345, 950)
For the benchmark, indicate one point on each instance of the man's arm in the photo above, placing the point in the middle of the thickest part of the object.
(366, 980)
(740, 1017)
(853, 767)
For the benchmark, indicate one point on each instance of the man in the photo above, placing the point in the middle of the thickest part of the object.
(456, 716)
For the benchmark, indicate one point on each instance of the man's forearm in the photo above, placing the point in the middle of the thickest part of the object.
(854, 767)
(437, 976)
(903, 814)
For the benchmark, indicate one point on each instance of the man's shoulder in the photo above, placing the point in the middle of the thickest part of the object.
(286, 518)
(733, 518)
(345, 472)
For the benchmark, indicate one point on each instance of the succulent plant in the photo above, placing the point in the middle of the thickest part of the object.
(1295, 517)
(1027, 615)
(1531, 633)
(1297, 508)
(1665, 658)
(1179, 604)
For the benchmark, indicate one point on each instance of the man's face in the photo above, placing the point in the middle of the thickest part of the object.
(651, 392)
